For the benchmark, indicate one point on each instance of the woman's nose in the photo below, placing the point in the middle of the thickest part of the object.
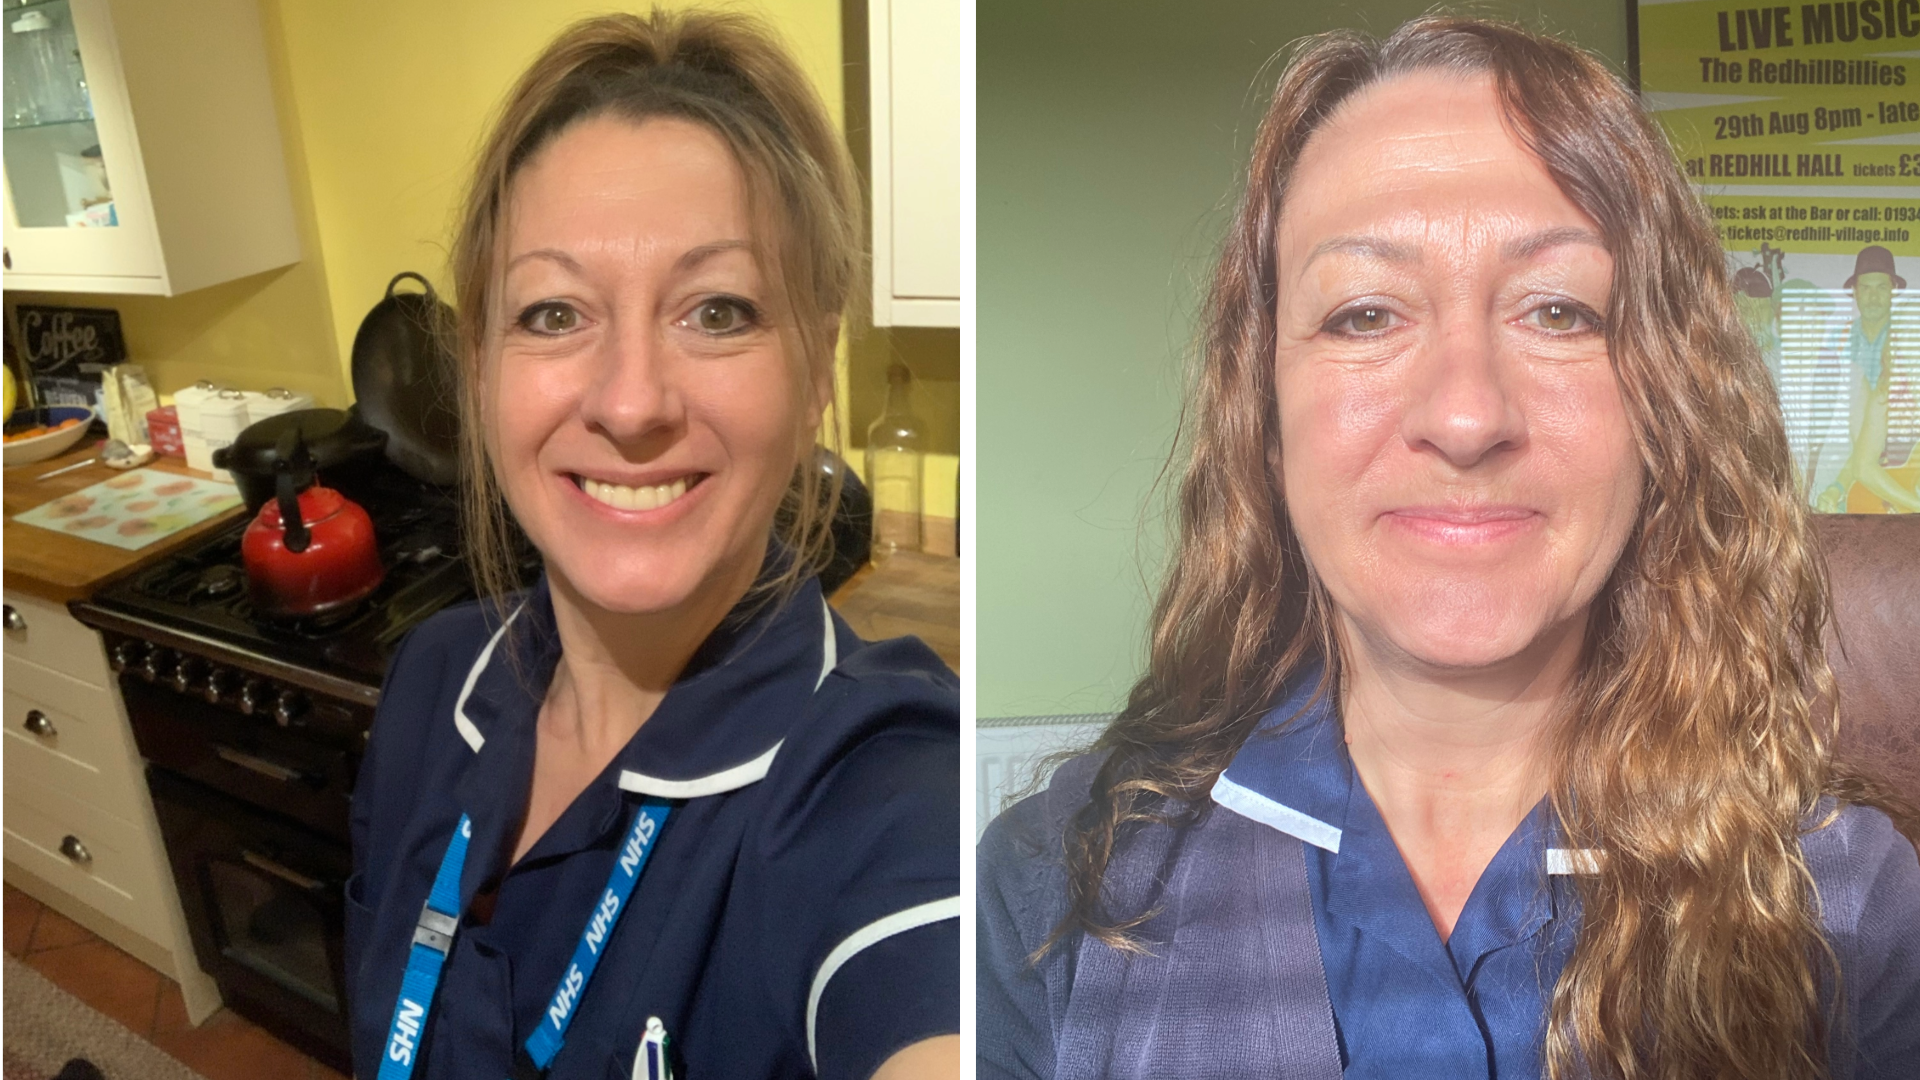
(1461, 402)
(632, 393)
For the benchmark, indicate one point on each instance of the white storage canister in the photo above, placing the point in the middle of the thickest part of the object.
(274, 402)
(222, 418)
(193, 436)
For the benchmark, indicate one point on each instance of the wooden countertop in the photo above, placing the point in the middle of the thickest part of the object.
(914, 593)
(61, 568)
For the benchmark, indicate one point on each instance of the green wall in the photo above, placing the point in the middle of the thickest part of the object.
(1110, 138)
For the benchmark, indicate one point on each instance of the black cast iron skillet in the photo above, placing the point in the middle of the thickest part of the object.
(403, 381)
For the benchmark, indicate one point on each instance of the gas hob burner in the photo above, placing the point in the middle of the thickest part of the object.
(320, 624)
(423, 546)
(217, 583)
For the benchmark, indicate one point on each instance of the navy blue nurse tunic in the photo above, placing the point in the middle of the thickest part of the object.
(798, 914)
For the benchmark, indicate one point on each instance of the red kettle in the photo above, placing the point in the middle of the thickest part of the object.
(310, 550)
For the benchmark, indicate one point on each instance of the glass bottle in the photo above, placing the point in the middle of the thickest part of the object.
(896, 469)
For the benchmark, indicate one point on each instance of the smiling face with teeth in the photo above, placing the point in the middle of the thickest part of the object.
(644, 415)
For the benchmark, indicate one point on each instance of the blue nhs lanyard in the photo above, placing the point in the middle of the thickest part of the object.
(433, 939)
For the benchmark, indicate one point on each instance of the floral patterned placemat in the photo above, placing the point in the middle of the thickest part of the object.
(135, 508)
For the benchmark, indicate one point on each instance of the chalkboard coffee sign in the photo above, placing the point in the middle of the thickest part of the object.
(66, 349)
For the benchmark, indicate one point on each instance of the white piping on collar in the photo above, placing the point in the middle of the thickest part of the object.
(1572, 861)
(1249, 803)
(739, 776)
(468, 730)
(747, 772)
(830, 651)
(871, 934)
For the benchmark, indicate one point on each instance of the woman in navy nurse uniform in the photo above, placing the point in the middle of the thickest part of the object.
(663, 814)
(1487, 726)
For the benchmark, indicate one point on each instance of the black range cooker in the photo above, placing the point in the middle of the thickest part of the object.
(253, 731)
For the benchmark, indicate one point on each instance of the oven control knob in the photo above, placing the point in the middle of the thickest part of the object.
(128, 654)
(255, 696)
(158, 666)
(220, 683)
(188, 672)
(289, 706)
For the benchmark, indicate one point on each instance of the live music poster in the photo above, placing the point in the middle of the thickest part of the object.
(1801, 126)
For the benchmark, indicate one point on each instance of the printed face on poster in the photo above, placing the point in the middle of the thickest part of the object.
(1801, 125)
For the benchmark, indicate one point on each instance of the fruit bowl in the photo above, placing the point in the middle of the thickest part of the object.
(60, 426)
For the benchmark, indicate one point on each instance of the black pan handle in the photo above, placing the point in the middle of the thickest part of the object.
(404, 275)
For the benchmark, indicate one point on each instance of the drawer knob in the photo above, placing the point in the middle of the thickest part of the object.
(14, 620)
(38, 723)
(72, 848)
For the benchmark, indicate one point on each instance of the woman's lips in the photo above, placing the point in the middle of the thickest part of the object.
(1460, 526)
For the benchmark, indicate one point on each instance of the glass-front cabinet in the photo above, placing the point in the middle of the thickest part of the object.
(67, 137)
(54, 163)
(82, 179)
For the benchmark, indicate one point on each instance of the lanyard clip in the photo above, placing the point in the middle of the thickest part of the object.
(435, 930)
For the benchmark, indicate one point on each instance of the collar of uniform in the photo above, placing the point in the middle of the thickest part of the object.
(1293, 774)
(717, 729)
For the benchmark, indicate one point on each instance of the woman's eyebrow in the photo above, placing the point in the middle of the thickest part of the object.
(1372, 247)
(1525, 247)
(695, 256)
(553, 254)
(1528, 246)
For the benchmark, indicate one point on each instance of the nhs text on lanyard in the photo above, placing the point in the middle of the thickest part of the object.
(433, 939)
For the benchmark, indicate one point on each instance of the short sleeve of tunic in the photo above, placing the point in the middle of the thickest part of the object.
(855, 870)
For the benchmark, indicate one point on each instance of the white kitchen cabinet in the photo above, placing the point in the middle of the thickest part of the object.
(80, 831)
(914, 80)
(164, 171)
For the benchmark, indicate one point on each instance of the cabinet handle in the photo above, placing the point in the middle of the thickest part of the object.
(38, 723)
(6, 255)
(253, 764)
(72, 848)
(14, 620)
(292, 877)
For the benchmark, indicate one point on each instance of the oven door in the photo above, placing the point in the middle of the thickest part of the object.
(265, 904)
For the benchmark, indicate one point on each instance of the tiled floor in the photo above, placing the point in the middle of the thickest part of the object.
(226, 1047)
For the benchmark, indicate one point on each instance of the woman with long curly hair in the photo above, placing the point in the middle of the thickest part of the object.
(1487, 729)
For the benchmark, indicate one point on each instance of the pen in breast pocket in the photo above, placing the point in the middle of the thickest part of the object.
(652, 1063)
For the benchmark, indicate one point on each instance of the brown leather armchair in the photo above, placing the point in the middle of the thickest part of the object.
(1874, 564)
